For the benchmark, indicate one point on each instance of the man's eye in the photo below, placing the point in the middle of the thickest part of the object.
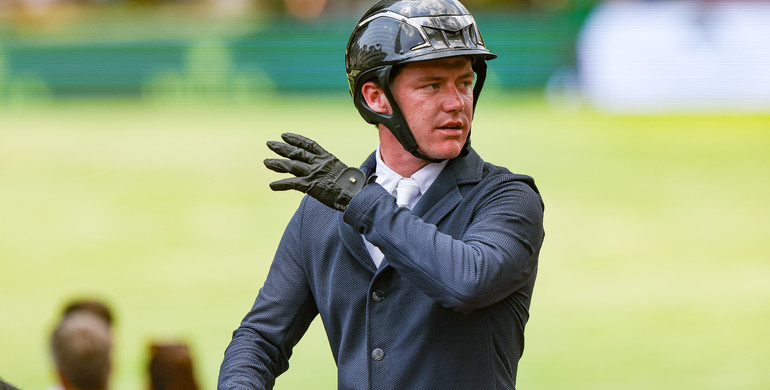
(432, 86)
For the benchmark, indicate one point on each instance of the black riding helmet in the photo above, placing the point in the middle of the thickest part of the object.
(396, 32)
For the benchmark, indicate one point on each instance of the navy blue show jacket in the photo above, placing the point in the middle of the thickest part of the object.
(445, 310)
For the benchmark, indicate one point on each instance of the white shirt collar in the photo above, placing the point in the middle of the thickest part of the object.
(424, 177)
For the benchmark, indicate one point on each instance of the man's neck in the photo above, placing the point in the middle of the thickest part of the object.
(395, 156)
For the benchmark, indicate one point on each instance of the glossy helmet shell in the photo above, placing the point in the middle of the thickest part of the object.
(393, 33)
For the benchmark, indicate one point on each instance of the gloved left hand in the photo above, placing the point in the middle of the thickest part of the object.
(318, 173)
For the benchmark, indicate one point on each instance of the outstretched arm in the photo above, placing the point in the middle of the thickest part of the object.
(282, 312)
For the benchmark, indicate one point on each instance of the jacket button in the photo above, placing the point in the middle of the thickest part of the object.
(378, 354)
(378, 296)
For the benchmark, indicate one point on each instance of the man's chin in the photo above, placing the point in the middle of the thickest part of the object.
(444, 154)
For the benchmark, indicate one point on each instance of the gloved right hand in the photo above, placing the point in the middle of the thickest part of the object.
(318, 173)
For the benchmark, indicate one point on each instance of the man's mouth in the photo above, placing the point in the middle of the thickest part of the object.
(452, 126)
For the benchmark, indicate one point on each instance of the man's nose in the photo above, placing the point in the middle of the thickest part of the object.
(453, 99)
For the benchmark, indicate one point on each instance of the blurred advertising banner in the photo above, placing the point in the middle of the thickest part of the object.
(668, 56)
(234, 50)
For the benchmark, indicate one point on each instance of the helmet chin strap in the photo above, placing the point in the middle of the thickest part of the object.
(396, 122)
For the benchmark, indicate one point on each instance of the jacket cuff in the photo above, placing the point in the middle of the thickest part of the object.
(358, 213)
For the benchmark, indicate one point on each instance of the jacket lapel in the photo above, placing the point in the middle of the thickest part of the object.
(444, 194)
(351, 238)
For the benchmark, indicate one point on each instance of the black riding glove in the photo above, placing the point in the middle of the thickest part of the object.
(318, 173)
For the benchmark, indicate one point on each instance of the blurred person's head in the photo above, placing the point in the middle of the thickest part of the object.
(171, 367)
(91, 305)
(81, 346)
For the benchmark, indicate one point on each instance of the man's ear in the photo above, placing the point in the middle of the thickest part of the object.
(375, 98)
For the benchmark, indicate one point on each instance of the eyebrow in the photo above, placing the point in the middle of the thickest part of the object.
(438, 78)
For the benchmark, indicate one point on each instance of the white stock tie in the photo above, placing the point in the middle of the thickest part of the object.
(406, 191)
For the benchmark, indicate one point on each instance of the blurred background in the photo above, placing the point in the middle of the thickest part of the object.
(132, 134)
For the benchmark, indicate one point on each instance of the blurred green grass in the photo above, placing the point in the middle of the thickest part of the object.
(653, 273)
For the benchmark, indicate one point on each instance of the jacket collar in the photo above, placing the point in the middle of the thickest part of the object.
(467, 169)
(460, 170)
(444, 194)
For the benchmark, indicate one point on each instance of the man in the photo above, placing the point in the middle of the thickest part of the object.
(82, 345)
(428, 291)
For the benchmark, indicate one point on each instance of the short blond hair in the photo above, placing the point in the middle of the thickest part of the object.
(81, 346)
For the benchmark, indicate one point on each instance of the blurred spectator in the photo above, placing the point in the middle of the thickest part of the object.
(171, 367)
(82, 346)
(7, 386)
(91, 305)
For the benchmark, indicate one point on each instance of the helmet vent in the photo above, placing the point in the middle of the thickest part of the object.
(437, 38)
(455, 39)
(465, 38)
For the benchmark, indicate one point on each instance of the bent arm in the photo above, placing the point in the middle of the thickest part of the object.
(281, 314)
(493, 257)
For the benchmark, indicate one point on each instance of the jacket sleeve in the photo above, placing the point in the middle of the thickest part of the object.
(282, 312)
(495, 255)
